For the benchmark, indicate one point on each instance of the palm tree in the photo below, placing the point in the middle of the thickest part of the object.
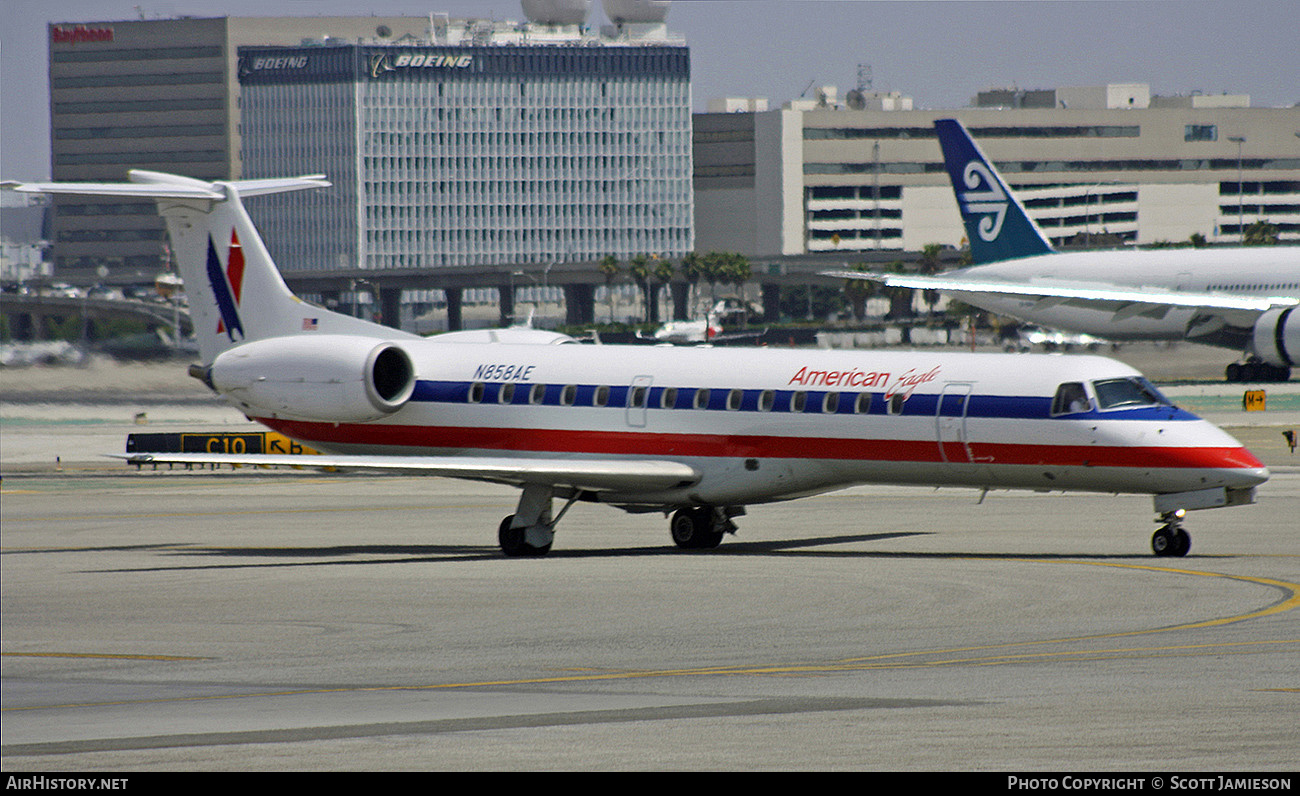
(692, 269)
(929, 265)
(737, 272)
(858, 291)
(639, 268)
(1261, 233)
(712, 267)
(900, 298)
(610, 268)
(663, 274)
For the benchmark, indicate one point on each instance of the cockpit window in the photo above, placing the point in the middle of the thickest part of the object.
(1070, 398)
(1134, 391)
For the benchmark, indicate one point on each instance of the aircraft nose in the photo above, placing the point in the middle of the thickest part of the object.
(1249, 476)
(1240, 468)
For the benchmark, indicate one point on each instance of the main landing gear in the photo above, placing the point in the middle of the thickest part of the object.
(702, 527)
(1170, 539)
(1256, 370)
(528, 532)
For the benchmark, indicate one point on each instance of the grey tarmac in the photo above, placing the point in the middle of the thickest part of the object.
(293, 621)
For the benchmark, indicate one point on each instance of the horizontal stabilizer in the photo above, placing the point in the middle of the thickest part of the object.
(157, 185)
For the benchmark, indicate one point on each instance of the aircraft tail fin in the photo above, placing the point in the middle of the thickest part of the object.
(997, 225)
(235, 291)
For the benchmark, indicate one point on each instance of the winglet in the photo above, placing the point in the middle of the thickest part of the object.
(997, 225)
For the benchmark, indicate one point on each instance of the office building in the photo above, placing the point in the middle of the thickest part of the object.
(484, 143)
(159, 94)
(1094, 165)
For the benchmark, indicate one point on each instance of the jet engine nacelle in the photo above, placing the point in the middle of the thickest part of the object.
(1276, 337)
(331, 378)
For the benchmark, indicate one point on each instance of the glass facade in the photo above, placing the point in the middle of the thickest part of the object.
(456, 156)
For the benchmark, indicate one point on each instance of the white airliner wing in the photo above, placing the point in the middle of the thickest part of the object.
(1123, 301)
(624, 476)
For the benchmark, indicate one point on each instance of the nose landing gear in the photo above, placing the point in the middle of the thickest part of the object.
(1170, 539)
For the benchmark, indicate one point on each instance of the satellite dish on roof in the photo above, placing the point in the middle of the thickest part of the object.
(557, 12)
(856, 99)
(622, 12)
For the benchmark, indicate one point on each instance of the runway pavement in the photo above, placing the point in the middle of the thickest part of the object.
(245, 621)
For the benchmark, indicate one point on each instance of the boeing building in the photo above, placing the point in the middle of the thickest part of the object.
(484, 144)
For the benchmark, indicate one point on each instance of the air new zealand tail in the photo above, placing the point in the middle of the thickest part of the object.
(997, 226)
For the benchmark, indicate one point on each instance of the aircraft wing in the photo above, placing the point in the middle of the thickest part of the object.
(1125, 302)
(618, 475)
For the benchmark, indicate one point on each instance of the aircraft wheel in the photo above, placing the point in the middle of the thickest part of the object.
(1171, 540)
(1182, 543)
(692, 529)
(1162, 541)
(1233, 373)
(513, 544)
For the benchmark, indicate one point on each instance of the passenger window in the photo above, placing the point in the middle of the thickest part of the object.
(766, 401)
(702, 398)
(734, 399)
(568, 394)
(831, 404)
(636, 399)
(798, 401)
(668, 399)
(537, 394)
(1070, 399)
(476, 392)
(601, 397)
(863, 404)
(507, 394)
(896, 402)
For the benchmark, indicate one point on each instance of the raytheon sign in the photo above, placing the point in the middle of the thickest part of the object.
(79, 34)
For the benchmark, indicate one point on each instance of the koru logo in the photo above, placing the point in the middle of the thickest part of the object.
(985, 196)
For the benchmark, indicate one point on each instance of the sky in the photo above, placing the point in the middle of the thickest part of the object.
(939, 52)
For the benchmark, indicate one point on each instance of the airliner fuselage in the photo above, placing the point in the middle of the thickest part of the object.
(762, 425)
(1264, 271)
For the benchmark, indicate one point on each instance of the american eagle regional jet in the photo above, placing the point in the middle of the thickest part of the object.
(695, 433)
(1239, 298)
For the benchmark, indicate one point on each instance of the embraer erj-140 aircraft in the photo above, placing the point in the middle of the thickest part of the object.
(698, 433)
(1239, 298)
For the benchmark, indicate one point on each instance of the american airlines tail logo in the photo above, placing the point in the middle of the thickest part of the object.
(227, 285)
(985, 197)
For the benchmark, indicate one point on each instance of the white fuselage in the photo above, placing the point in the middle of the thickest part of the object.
(1258, 271)
(763, 425)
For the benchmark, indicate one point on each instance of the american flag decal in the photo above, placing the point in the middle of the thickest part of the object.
(309, 324)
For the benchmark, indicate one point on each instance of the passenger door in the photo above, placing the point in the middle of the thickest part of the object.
(950, 423)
